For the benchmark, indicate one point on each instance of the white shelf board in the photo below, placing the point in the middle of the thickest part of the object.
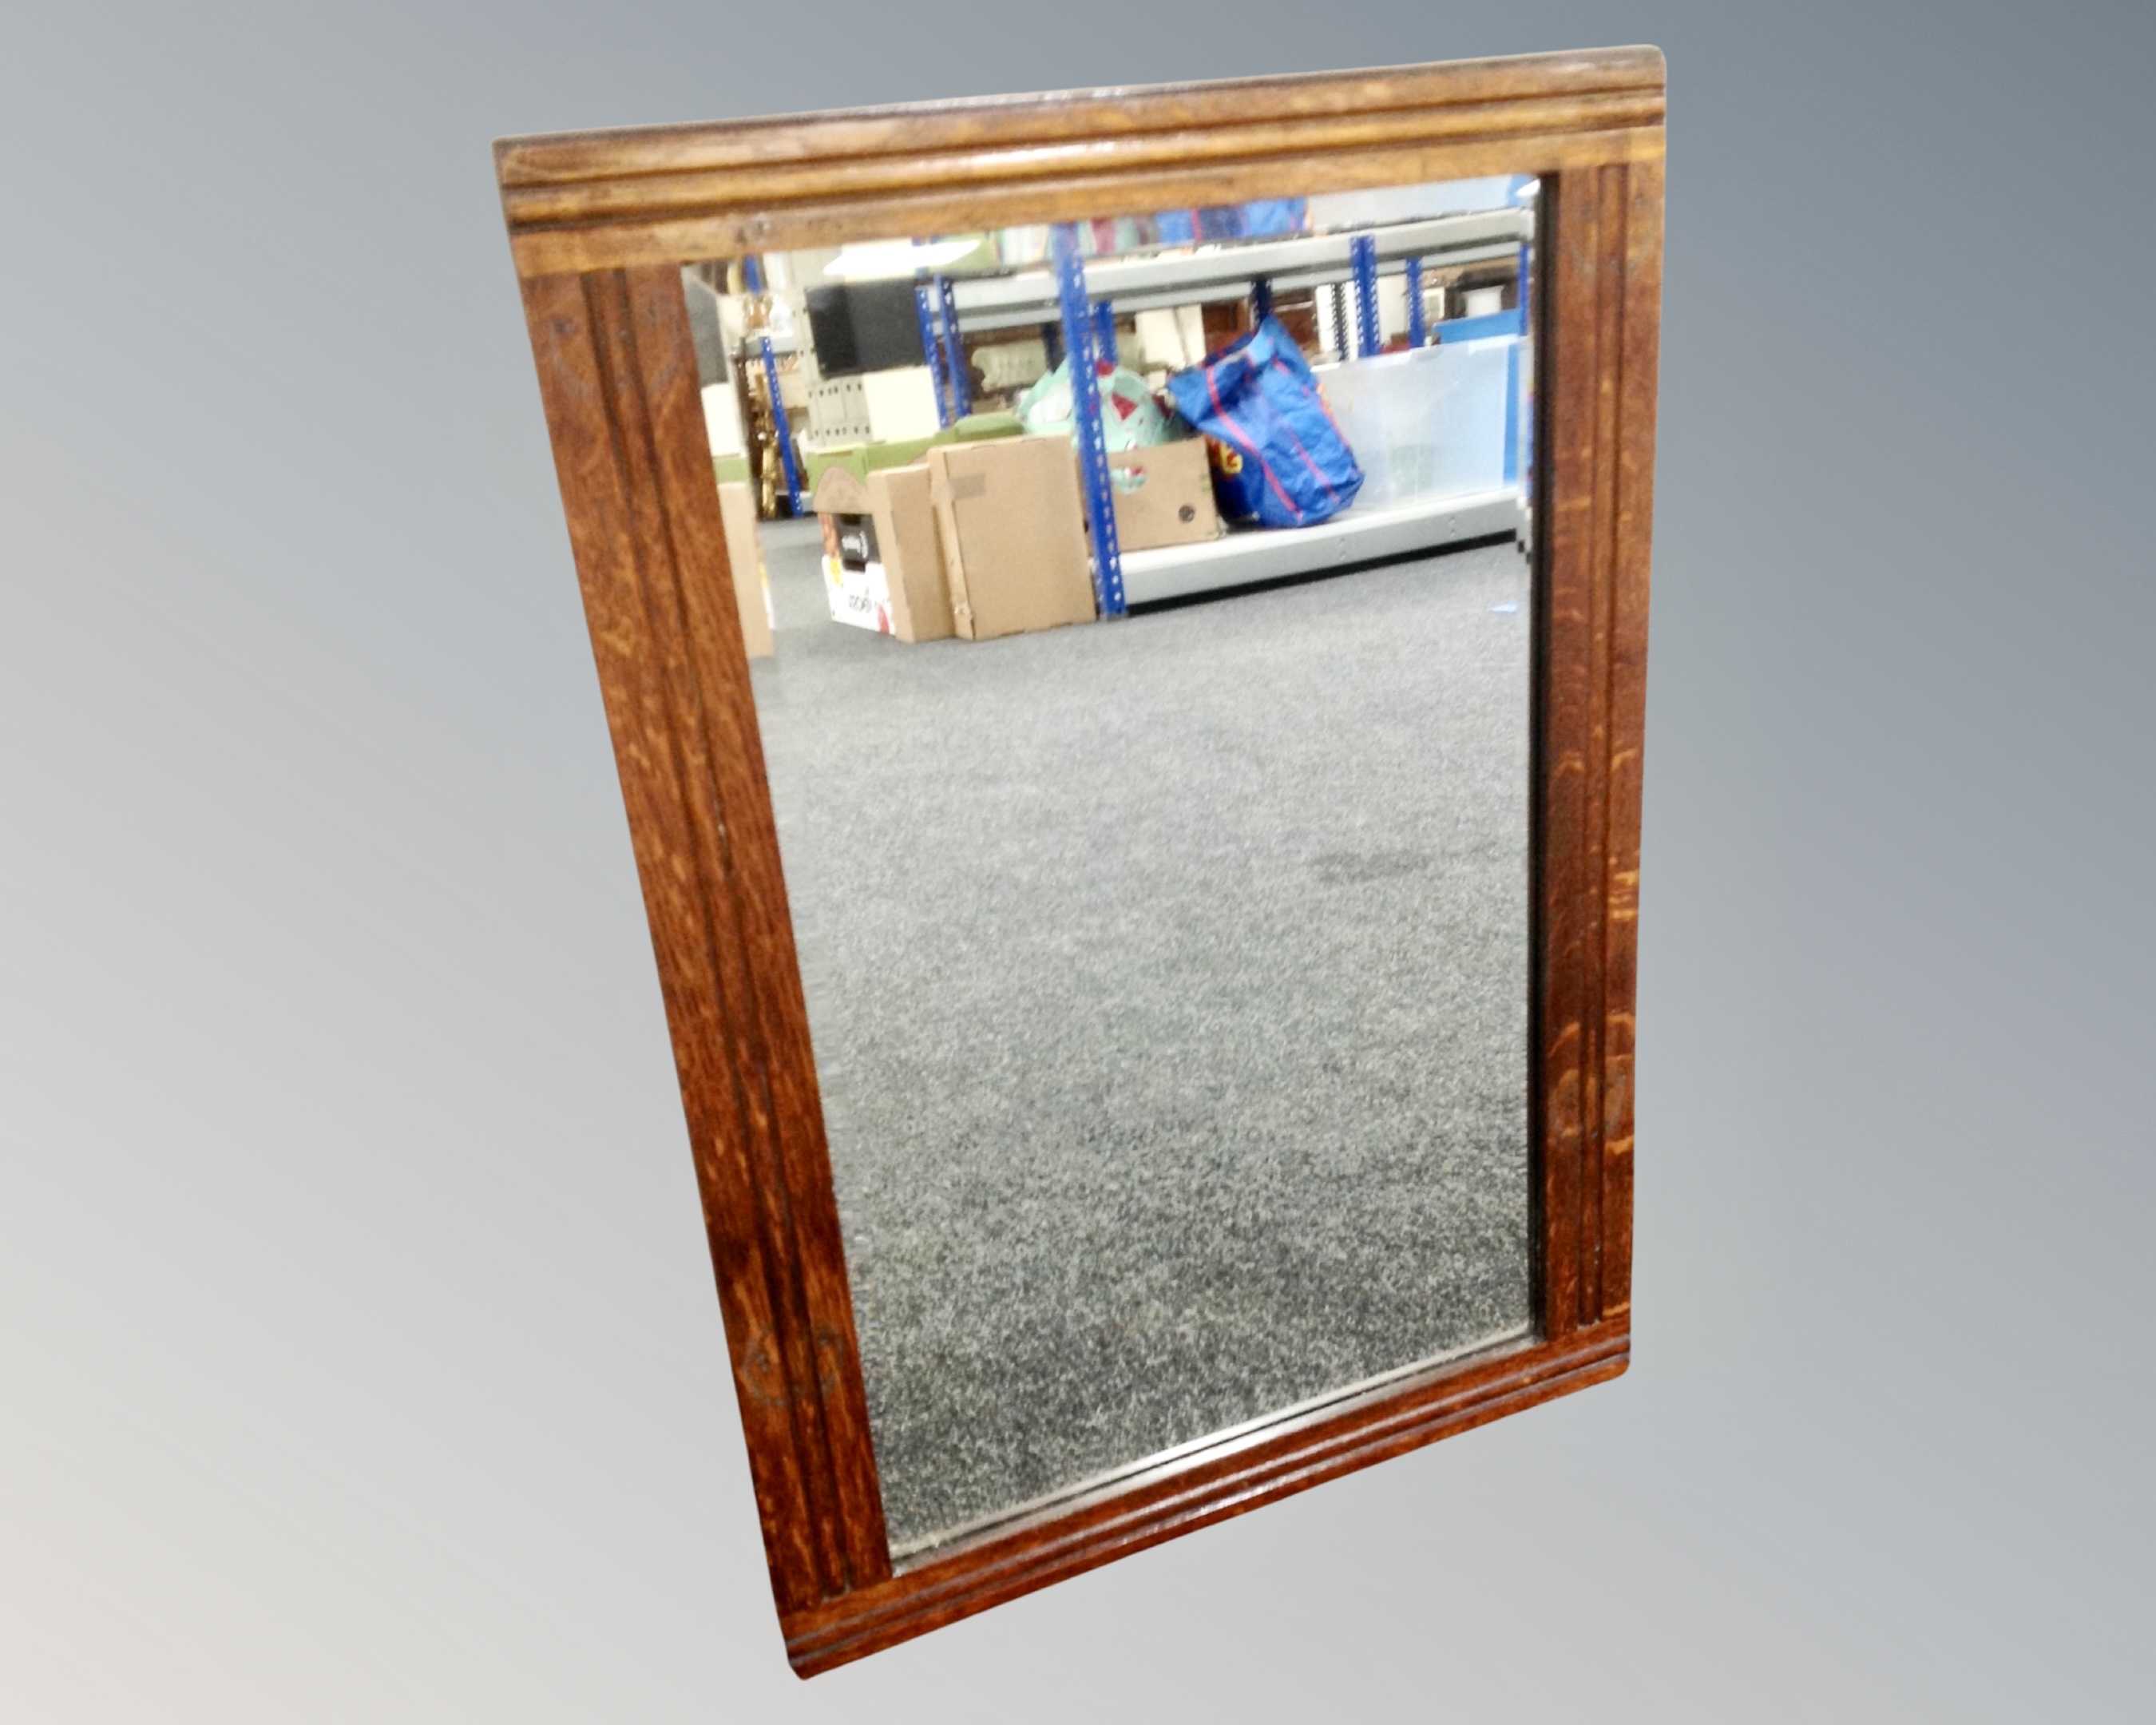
(1240, 558)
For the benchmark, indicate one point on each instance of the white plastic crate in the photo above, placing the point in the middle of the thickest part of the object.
(1423, 424)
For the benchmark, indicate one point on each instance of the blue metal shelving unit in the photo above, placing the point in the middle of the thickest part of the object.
(1084, 334)
(1104, 333)
(1369, 338)
(1079, 332)
(954, 352)
(924, 306)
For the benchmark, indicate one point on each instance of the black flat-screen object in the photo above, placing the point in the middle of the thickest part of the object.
(864, 327)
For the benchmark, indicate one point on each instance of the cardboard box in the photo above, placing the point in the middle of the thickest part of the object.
(1163, 496)
(883, 562)
(1013, 535)
(865, 459)
(745, 552)
(905, 520)
(862, 459)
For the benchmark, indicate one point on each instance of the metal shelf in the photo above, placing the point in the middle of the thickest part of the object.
(1242, 558)
(1082, 296)
(1077, 299)
(1029, 297)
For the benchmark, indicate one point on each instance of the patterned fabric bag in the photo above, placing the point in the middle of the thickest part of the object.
(1278, 458)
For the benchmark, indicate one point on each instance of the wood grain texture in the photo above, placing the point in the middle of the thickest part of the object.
(598, 222)
(1639, 363)
(952, 207)
(618, 371)
(1196, 1490)
(1031, 121)
(1601, 310)
(601, 200)
(755, 184)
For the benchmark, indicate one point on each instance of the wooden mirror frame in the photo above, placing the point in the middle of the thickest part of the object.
(599, 224)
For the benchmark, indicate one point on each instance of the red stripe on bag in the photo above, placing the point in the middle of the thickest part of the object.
(1314, 472)
(1250, 448)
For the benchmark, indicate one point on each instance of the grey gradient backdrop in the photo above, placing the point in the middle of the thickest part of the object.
(358, 1356)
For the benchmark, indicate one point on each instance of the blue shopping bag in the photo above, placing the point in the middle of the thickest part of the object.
(1279, 458)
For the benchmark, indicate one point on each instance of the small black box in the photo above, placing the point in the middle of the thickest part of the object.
(864, 327)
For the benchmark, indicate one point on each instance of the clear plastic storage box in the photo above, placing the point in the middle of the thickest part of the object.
(1423, 424)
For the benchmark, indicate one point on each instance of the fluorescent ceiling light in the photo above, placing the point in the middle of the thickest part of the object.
(882, 258)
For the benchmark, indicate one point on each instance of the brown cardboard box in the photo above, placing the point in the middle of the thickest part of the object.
(1013, 535)
(912, 553)
(883, 560)
(745, 552)
(854, 585)
(1163, 496)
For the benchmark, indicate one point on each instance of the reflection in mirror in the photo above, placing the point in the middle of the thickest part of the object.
(1168, 975)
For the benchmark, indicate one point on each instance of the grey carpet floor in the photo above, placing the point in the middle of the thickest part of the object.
(1169, 985)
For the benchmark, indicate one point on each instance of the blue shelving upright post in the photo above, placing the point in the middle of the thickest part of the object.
(1417, 324)
(753, 279)
(931, 349)
(1086, 416)
(954, 350)
(1104, 333)
(1363, 253)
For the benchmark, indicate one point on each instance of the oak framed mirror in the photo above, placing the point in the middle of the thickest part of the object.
(1122, 618)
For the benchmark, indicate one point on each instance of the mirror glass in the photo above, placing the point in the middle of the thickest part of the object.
(1154, 809)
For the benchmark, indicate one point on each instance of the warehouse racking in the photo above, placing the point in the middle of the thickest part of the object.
(1074, 301)
(1078, 298)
